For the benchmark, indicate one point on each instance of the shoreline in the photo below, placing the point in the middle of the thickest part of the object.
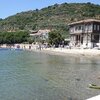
(72, 52)
(59, 51)
(87, 53)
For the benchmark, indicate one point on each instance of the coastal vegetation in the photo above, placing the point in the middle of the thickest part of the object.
(55, 38)
(14, 37)
(56, 16)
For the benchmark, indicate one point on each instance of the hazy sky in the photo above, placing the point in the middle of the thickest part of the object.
(11, 7)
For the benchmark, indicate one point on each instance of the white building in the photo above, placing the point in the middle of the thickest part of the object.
(85, 33)
(41, 34)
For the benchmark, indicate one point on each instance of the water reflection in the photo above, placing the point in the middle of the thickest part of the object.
(37, 76)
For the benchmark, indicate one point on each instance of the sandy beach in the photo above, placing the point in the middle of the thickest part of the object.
(69, 52)
(73, 52)
(59, 51)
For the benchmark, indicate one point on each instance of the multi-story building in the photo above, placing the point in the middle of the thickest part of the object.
(85, 33)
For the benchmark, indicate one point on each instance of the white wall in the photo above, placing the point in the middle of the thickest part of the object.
(81, 28)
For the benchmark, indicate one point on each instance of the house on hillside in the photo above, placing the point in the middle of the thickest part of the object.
(85, 33)
(40, 34)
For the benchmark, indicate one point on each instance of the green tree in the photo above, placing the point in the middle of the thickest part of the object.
(20, 37)
(55, 38)
(34, 27)
(30, 40)
(8, 38)
(13, 37)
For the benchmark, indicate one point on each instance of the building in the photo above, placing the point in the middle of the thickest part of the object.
(40, 34)
(85, 33)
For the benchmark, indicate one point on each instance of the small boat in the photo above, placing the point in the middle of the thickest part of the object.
(94, 86)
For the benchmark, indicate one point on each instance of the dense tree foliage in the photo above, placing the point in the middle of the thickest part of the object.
(13, 37)
(53, 17)
(55, 38)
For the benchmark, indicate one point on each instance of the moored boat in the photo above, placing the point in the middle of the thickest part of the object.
(94, 86)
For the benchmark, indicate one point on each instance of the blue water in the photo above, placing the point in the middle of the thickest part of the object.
(26, 75)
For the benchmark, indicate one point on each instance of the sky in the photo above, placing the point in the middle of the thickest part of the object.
(11, 7)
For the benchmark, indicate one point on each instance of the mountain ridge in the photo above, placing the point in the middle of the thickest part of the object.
(56, 16)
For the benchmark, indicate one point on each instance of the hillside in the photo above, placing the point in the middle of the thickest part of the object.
(53, 17)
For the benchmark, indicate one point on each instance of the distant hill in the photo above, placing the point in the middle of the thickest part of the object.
(52, 17)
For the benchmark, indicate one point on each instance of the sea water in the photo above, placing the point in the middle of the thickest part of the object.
(26, 75)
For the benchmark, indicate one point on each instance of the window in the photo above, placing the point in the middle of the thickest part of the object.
(95, 27)
(88, 27)
(78, 28)
(98, 27)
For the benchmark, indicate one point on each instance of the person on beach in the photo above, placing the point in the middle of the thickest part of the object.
(29, 46)
(24, 47)
(39, 46)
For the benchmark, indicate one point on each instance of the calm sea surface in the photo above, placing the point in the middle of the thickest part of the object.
(28, 75)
